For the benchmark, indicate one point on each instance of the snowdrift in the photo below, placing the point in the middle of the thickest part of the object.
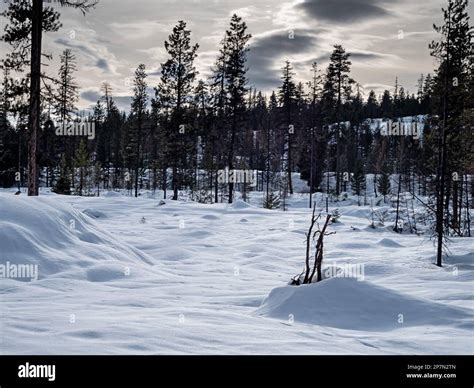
(60, 240)
(239, 204)
(462, 262)
(346, 303)
(112, 194)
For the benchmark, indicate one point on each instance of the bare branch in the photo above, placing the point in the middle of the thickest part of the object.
(83, 5)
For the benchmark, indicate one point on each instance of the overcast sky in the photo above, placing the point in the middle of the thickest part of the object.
(386, 38)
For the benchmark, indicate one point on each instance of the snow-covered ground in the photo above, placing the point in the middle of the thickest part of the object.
(119, 275)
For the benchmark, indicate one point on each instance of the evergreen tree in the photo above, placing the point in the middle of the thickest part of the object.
(177, 76)
(383, 183)
(63, 184)
(81, 161)
(426, 103)
(138, 113)
(386, 105)
(28, 20)
(67, 94)
(288, 96)
(64, 105)
(234, 51)
(371, 107)
(272, 201)
(454, 53)
(337, 86)
(314, 139)
(358, 182)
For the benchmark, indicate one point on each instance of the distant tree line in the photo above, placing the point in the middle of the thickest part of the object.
(191, 128)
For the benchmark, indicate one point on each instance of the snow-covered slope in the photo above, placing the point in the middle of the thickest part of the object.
(134, 276)
(60, 240)
(348, 303)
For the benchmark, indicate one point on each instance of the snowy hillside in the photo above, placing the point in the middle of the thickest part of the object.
(123, 275)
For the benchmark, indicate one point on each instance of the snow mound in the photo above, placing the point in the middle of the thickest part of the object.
(461, 261)
(210, 217)
(346, 303)
(389, 243)
(468, 258)
(112, 194)
(106, 272)
(57, 238)
(372, 229)
(354, 211)
(94, 213)
(239, 204)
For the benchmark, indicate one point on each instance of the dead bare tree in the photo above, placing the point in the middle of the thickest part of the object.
(316, 238)
(318, 255)
(314, 220)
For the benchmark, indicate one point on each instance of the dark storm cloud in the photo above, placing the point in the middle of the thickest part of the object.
(102, 64)
(365, 56)
(122, 102)
(74, 45)
(343, 10)
(356, 57)
(90, 95)
(270, 49)
(98, 61)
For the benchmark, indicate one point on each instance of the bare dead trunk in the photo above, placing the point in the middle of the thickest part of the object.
(308, 246)
(318, 257)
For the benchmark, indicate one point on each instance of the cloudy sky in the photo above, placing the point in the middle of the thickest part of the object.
(387, 38)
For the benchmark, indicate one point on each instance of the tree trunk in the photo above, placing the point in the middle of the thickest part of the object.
(311, 172)
(137, 161)
(318, 257)
(164, 182)
(442, 148)
(468, 215)
(35, 96)
(216, 188)
(175, 183)
(154, 179)
(81, 180)
(398, 202)
(447, 200)
(375, 185)
(440, 197)
(290, 182)
(455, 199)
(338, 156)
(308, 247)
(460, 204)
(231, 160)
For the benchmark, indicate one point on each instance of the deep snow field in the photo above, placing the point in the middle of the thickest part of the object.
(120, 275)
